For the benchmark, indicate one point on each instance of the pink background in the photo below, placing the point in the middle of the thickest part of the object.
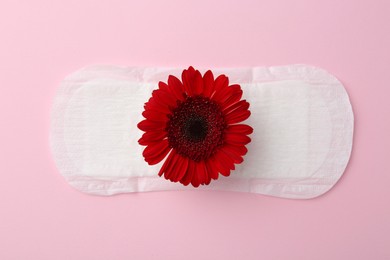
(42, 217)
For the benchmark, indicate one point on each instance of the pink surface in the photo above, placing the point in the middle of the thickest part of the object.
(42, 217)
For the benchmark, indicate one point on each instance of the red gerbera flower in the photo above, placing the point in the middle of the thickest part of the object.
(195, 122)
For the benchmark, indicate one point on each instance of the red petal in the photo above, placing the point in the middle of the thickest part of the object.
(153, 105)
(176, 87)
(220, 166)
(198, 83)
(154, 148)
(206, 174)
(171, 170)
(182, 168)
(158, 156)
(208, 83)
(222, 94)
(147, 125)
(240, 129)
(202, 172)
(239, 148)
(241, 105)
(155, 116)
(187, 78)
(211, 169)
(152, 136)
(192, 81)
(233, 98)
(195, 177)
(221, 82)
(237, 116)
(225, 159)
(190, 173)
(236, 139)
(232, 153)
(164, 98)
(167, 163)
(163, 86)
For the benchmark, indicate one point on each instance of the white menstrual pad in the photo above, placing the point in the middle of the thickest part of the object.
(301, 144)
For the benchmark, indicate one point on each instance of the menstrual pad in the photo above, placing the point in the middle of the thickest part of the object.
(301, 116)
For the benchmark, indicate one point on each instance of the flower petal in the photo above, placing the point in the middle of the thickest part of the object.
(154, 148)
(153, 105)
(155, 116)
(236, 139)
(164, 98)
(222, 95)
(164, 166)
(242, 105)
(182, 166)
(195, 179)
(239, 148)
(163, 86)
(208, 83)
(239, 129)
(235, 149)
(237, 116)
(221, 82)
(206, 174)
(158, 156)
(187, 78)
(148, 125)
(171, 170)
(201, 172)
(198, 83)
(232, 153)
(226, 160)
(211, 170)
(234, 97)
(188, 175)
(167, 164)
(152, 136)
(192, 81)
(222, 167)
(176, 87)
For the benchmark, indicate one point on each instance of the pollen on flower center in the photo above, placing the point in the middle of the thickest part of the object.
(196, 127)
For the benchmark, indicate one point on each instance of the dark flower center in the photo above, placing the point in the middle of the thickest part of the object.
(196, 128)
